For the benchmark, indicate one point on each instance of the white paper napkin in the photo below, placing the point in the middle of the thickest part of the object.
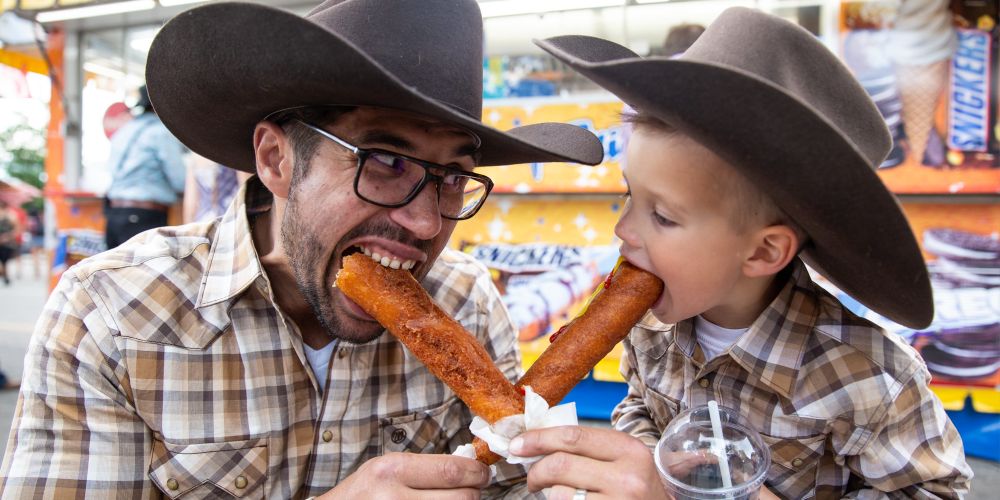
(537, 415)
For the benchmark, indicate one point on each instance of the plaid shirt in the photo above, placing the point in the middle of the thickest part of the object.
(165, 368)
(844, 407)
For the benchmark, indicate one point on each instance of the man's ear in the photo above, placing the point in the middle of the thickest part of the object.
(274, 155)
(775, 247)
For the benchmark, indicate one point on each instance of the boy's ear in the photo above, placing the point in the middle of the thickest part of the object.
(274, 155)
(776, 246)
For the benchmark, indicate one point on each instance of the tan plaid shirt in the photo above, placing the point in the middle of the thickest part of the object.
(844, 407)
(165, 368)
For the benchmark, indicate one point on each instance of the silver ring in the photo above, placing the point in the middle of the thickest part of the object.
(581, 494)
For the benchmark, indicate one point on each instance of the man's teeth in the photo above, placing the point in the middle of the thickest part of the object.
(389, 261)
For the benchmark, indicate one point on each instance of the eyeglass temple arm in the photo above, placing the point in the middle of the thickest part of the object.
(330, 136)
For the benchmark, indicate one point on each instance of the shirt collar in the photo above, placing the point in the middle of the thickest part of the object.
(772, 348)
(233, 263)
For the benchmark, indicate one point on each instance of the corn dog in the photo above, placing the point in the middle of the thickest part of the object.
(618, 305)
(398, 302)
(395, 299)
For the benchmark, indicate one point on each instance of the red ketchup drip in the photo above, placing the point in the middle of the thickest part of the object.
(552, 338)
(607, 282)
(521, 390)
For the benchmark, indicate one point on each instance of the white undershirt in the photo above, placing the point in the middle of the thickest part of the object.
(319, 360)
(713, 338)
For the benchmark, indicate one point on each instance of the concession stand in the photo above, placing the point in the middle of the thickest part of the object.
(546, 232)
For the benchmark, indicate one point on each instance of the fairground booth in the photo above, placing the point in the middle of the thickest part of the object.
(547, 231)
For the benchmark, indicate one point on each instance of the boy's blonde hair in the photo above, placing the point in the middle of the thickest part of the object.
(750, 205)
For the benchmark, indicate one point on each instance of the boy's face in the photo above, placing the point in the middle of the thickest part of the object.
(678, 224)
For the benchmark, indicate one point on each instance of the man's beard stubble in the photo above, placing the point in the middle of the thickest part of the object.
(305, 256)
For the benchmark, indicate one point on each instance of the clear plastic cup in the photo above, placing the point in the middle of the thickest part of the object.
(688, 456)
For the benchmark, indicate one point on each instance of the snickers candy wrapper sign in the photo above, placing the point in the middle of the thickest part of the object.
(972, 102)
(972, 133)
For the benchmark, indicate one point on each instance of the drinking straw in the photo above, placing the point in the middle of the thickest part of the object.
(719, 445)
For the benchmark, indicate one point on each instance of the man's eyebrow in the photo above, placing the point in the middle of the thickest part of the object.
(384, 138)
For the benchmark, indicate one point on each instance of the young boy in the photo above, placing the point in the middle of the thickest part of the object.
(753, 153)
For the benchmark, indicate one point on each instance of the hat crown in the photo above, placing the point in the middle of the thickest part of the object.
(433, 46)
(790, 58)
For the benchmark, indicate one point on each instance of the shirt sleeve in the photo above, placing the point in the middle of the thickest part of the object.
(917, 453)
(75, 432)
(631, 414)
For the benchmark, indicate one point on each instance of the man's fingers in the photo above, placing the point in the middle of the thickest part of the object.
(428, 472)
(459, 494)
(574, 471)
(599, 444)
(566, 493)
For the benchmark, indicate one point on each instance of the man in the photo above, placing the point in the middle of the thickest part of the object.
(216, 359)
(147, 174)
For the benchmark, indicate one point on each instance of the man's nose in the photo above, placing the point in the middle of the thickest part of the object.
(422, 215)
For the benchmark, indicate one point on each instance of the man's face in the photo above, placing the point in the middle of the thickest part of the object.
(325, 220)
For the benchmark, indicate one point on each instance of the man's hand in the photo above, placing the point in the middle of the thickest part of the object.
(606, 463)
(414, 476)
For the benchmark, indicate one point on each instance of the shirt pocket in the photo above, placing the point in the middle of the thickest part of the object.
(235, 469)
(793, 464)
(662, 409)
(425, 431)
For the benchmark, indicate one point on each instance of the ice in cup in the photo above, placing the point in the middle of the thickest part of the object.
(697, 463)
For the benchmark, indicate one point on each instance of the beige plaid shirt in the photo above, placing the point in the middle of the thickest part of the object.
(844, 407)
(165, 368)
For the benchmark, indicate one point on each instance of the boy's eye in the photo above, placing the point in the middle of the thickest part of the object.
(663, 221)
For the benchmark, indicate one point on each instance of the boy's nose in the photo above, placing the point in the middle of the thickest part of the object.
(624, 231)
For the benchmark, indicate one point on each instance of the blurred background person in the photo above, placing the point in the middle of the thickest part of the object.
(9, 231)
(209, 188)
(32, 244)
(147, 175)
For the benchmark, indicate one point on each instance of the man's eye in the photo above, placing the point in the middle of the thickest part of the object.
(389, 162)
(454, 182)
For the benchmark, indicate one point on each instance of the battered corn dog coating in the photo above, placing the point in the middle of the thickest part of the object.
(581, 343)
(398, 302)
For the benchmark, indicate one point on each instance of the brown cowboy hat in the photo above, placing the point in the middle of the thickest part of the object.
(215, 71)
(771, 100)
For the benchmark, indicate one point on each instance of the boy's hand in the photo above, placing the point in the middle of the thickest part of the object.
(414, 476)
(606, 463)
(766, 494)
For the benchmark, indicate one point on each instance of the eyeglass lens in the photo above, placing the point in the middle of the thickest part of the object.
(389, 179)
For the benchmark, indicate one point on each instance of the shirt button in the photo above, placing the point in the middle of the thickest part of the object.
(327, 436)
(172, 484)
(241, 482)
(342, 353)
(797, 463)
(398, 436)
(703, 383)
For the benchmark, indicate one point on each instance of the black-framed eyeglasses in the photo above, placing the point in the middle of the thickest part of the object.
(392, 180)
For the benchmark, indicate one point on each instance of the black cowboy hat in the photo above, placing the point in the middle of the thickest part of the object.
(771, 100)
(215, 71)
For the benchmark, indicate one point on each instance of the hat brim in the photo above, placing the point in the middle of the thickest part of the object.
(215, 71)
(859, 237)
